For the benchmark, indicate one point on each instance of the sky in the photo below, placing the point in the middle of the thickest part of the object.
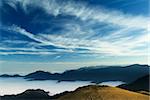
(58, 35)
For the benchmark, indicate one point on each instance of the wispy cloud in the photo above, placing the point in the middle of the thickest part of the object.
(119, 47)
(27, 53)
(85, 12)
(94, 30)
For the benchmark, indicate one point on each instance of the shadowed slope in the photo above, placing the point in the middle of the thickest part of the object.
(141, 84)
(29, 94)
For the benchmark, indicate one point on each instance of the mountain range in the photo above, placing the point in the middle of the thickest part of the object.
(136, 86)
(96, 74)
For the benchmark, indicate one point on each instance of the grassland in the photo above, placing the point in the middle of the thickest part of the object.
(103, 93)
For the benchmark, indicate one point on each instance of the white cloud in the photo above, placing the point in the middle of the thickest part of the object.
(26, 53)
(22, 31)
(85, 12)
(119, 47)
(81, 35)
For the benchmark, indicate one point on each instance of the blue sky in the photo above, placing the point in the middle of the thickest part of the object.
(56, 35)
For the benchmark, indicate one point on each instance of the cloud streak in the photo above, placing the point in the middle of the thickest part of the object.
(84, 12)
(93, 30)
(98, 46)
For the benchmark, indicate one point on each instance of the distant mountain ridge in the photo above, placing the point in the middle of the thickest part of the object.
(6, 75)
(95, 74)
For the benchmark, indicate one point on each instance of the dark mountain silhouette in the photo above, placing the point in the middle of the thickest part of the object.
(30, 94)
(91, 92)
(6, 75)
(39, 75)
(141, 84)
(95, 74)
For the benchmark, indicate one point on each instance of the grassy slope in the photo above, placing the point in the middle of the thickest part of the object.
(103, 93)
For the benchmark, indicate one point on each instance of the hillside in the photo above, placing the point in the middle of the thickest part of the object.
(91, 92)
(30, 94)
(102, 93)
(141, 84)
